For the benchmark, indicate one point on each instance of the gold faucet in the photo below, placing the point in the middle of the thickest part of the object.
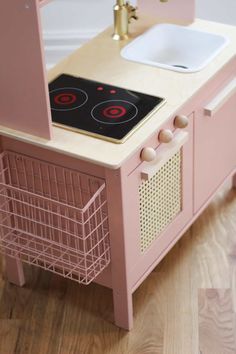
(123, 13)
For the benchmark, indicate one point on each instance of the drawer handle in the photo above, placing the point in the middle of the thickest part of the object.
(214, 106)
(165, 136)
(148, 154)
(181, 121)
(170, 150)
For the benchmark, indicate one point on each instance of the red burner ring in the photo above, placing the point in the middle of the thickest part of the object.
(114, 112)
(65, 98)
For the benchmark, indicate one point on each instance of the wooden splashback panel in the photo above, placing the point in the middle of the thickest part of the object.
(182, 11)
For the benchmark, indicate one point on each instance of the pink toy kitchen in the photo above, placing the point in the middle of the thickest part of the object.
(109, 157)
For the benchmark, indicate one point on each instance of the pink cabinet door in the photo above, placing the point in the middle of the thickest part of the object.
(159, 202)
(215, 143)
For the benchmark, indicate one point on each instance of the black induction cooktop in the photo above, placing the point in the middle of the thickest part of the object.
(97, 109)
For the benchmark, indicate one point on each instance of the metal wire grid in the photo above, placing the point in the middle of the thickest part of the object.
(53, 217)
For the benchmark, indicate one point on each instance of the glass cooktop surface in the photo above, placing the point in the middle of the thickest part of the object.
(103, 111)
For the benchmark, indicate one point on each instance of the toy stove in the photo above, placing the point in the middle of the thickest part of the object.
(103, 111)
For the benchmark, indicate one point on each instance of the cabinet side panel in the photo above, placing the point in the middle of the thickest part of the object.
(51, 156)
(24, 101)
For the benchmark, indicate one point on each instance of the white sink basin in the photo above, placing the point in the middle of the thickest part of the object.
(175, 48)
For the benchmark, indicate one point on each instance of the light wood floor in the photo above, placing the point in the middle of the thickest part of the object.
(186, 306)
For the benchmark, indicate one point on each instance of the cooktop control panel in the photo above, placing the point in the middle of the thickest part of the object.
(97, 109)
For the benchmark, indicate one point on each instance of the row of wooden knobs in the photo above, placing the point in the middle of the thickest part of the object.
(148, 154)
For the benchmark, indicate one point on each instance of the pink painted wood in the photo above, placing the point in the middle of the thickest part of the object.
(14, 271)
(128, 267)
(140, 262)
(215, 149)
(52, 156)
(66, 161)
(234, 181)
(24, 99)
(121, 245)
(180, 234)
(178, 10)
(211, 88)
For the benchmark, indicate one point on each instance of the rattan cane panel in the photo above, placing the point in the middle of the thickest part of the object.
(160, 200)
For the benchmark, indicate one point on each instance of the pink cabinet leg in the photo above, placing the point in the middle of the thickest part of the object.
(14, 271)
(234, 181)
(120, 245)
(123, 309)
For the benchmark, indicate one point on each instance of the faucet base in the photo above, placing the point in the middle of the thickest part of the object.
(119, 37)
(123, 13)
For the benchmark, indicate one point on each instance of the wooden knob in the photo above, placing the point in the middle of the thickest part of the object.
(165, 136)
(148, 154)
(181, 122)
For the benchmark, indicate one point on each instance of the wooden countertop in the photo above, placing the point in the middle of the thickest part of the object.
(100, 60)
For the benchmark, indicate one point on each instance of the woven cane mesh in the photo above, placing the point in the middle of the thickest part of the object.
(160, 200)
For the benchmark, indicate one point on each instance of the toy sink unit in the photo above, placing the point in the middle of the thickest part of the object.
(175, 47)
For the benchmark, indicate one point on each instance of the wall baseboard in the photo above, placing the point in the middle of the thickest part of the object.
(59, 44)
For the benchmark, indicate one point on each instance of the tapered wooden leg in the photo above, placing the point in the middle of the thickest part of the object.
(123, 309)
(14, 271)
(120, 244)
(234, 181)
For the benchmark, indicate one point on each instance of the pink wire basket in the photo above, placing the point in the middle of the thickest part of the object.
(53, 217)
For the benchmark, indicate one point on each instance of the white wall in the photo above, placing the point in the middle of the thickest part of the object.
(69, 23)
(77, 14)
